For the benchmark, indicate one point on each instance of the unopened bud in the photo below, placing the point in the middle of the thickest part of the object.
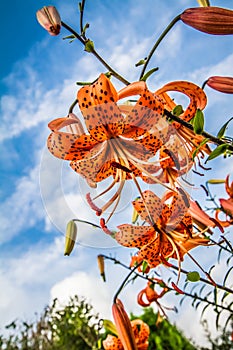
(100, 260)
(222, 84)
(203, 3)
(210, 20)
(71, 234)
(123, 326)
(49, 19)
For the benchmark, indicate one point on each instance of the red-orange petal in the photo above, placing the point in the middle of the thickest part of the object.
(194, 92)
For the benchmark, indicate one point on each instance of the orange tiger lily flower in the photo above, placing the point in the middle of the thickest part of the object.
(184, 142)
(169, 233)
(148, 295)
(118, 143)
(112, 343)
(141, 333)
(121, 141)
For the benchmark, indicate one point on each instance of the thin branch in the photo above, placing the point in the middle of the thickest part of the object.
(164, 33)
(95, 53)
(219, 286)
(189, 126)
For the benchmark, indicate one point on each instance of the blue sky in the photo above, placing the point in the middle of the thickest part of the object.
(38, 193)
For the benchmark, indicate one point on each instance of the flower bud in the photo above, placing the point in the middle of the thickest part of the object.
(210, 20)
(222, 84)
(71, 234)
(49, 19)
(100, 260)
(123, 326)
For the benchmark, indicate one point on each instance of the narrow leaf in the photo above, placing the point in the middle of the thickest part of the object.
(198, 122)
(198, 148)
(203, 3)
(217, 151)
(216, 181)
(69, 37)
(223, 129)
(226, 276)
(148, 74)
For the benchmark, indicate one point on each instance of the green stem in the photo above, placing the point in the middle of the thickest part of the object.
(206, 301)
(164, 33)
(87, 222)
(228, 290)
(72, 106)
(95, 53)
(124, 282)
(82, 5)
(170, 289)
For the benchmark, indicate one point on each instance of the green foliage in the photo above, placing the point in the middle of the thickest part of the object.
(163, 335)
(59, 328)
(198, 122)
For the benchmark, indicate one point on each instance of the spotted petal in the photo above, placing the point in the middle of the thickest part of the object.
(134, 236)
(194, 92)
(97, 103)
(150, 208)
(151, 253)
(96, 165)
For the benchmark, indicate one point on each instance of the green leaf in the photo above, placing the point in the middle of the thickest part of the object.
(110, 326)
(140, 63)
(203, 3)
(197, 149)
(72, 36)
(198, 122)
(218, 151)
(89, 46)
(223, 129)
(193, 276)
(177, 110)
(148, 74)
(144, 266)
(216, 181)
(87, 25)
(82, 83)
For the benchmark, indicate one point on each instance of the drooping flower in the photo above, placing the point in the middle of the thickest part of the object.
(169, 233)
(222, 84)
(148, 295)
(210, 20)
(181, 158)
(49, 19)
